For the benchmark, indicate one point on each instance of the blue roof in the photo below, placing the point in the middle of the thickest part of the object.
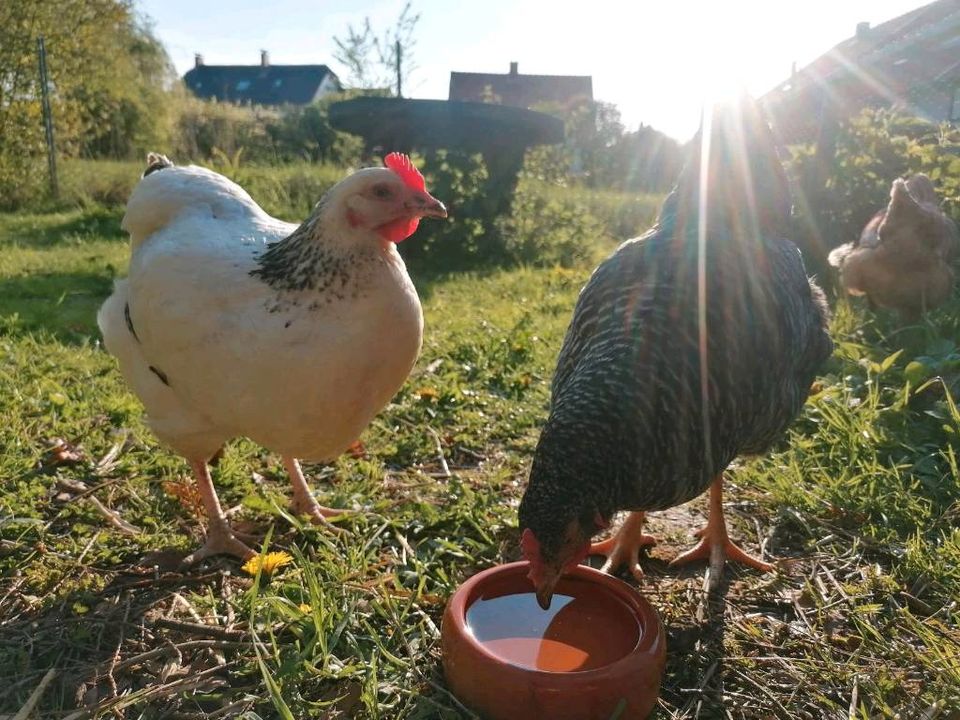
(259, 84)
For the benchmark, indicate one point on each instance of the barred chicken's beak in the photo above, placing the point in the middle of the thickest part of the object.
(425, 205)
(545, 588)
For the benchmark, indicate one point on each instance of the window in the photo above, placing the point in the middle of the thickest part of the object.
(243, 85)
(278, 82)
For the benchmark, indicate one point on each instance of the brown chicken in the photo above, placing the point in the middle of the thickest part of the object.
(903, 258)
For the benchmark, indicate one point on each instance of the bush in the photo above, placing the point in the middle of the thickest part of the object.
(289, 191)
(107, 76)
(465, 238)
(547, 223)
(99, 182)
(204, 126)
(548, 226)
(305, 133)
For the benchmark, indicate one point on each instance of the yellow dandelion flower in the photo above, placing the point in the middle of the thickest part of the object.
(304, 608)
(427, 394)
(268, 563)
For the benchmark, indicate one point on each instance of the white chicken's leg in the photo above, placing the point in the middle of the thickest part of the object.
(715, 545)
(303, 501)
(220, 537)
(624, 547)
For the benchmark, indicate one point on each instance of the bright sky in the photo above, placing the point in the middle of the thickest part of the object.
(655, 59)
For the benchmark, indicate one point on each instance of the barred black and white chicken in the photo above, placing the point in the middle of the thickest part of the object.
(689, 346)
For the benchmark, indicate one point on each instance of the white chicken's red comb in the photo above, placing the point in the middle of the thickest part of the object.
(403, 166)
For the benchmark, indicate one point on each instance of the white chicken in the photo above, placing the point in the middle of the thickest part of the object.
(233, 323)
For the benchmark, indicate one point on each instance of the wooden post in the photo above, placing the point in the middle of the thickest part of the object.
(399, 76)
(47, 117)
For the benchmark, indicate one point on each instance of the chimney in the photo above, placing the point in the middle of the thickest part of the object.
(197, 60)
(863, 29)
(264, 58)
(513, 68)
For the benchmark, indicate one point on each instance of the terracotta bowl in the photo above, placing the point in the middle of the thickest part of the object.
(600, 648)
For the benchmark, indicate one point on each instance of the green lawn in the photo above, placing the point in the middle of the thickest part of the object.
(863, 499)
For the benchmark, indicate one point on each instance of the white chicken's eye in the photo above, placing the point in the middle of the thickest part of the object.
(382, 192)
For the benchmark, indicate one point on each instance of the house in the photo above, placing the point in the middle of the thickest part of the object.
(262, 84)
(523, 91)
(911, 62)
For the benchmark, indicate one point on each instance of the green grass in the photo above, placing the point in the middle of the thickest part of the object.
(862, 499)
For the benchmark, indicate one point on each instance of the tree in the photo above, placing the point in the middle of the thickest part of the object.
(375, 61)
(108, 77)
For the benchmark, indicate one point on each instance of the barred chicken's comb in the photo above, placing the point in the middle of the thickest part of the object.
(403, 166)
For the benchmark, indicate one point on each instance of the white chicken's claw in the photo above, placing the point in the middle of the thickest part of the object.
(303, 501)
(220, 541)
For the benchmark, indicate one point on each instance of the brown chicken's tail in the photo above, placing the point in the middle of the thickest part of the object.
(838, 255)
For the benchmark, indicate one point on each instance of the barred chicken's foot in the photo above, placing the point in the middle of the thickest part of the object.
(624, 547)
(715, 545)
(220, 541)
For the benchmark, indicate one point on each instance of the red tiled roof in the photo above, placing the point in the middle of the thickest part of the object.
(892, 63)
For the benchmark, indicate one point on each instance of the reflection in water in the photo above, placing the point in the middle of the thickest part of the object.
(576, 633)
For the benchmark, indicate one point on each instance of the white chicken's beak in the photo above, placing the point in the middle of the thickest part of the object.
(423, 204)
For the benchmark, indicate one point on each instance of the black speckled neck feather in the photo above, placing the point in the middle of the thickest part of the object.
(306, 261)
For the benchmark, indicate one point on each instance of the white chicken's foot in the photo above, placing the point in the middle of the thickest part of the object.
(303, 501)
(715, 544)
(221, 539)
(624, 547)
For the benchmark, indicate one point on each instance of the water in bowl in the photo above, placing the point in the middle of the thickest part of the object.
(575, 634)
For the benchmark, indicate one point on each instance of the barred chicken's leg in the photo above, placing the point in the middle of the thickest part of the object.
(715, 545)
(303, 501)
(220, 537)
(624, 547)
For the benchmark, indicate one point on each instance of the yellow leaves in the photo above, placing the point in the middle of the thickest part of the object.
(427, 394)
(357, 450)
(267, 563)
(187, 494)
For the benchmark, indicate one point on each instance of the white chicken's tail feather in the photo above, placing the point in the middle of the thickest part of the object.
(167, 192)
(176, 424)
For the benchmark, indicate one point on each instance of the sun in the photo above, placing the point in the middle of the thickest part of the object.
(724, 57)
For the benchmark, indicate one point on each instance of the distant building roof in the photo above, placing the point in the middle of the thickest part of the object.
(262, 84)
(521, 90)
(911, 61)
